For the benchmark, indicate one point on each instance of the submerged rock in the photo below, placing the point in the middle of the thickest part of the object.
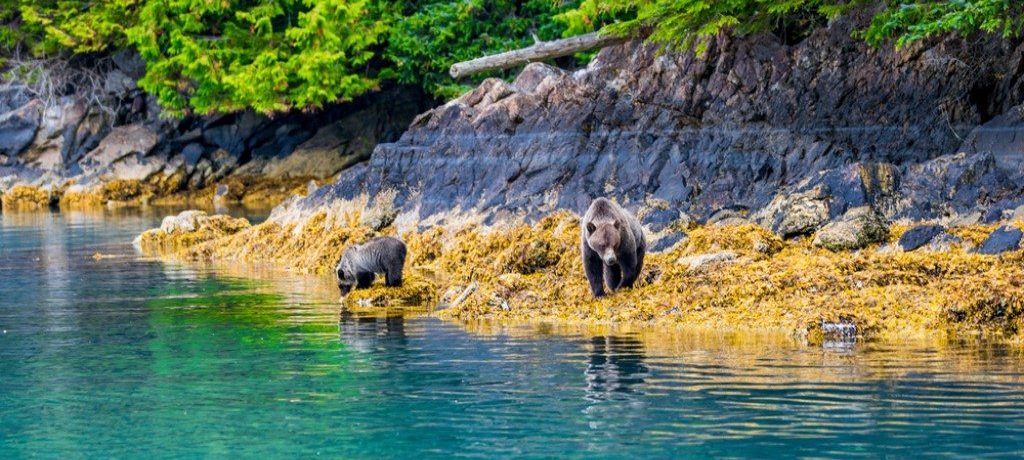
(1003, 239)
(858, 228)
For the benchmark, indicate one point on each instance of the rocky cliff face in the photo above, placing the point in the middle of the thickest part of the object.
(116, 132)
(789, 135)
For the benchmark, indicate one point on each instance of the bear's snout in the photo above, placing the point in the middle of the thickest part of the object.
(610, 259)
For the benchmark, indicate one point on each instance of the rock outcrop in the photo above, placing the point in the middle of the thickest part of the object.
(52, 141)
(790, 135)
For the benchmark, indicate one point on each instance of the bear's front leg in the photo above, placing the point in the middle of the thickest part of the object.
(364, 279)
(612, 276)
(630, 270)
(393, 278)
(593, 267)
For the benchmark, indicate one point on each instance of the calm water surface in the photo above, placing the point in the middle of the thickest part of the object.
(124, 356)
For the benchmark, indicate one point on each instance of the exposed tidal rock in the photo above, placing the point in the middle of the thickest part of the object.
(1003, 239)
(184, 222)
(177, 234)
(857, 228)
(919, 236)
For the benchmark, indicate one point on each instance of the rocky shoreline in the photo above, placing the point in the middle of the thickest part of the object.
(900, 281)
(110, 143)
(808, 187)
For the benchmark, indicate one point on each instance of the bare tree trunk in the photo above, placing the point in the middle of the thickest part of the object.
(538, 52)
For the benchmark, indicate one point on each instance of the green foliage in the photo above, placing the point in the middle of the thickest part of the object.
(427, 37)
(685, 24)
(207, 56)
(919, 20)
(268, 55)
(82, 27)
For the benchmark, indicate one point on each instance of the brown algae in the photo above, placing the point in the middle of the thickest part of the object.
(526, 272)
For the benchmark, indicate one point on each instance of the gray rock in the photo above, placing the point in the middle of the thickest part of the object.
(130, 62)
(919, 236)
(666, 242)
(18, 128)
(659, 219)
(13, 96)
(116, 82)
(220, 195)
(122, 142)
(944, 242)
(802, 213)
(857, 228)
(1003, 239)
(191, 155)
(750, 120)
(724, 217)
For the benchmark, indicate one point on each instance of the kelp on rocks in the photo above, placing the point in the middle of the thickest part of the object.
(527, 272)
(25, 198)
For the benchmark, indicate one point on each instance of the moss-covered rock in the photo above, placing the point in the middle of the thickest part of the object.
(178, 234)
(534, 273)
(857, 229)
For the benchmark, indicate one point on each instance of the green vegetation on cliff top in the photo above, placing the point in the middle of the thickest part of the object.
(207, 56)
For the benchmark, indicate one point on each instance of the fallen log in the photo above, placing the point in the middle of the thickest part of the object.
(538, 52)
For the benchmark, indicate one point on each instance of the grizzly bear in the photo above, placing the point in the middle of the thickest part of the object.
(359, 264)
(613, 247)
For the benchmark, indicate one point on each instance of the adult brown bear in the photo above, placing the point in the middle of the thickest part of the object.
(613, 247)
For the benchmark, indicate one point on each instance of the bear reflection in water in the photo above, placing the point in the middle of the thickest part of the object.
(616, 367)
(366, 333)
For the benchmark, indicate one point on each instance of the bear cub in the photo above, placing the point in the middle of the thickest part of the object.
(613, 247)
(360, 264)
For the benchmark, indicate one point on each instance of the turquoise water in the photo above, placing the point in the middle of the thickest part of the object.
(122, 356)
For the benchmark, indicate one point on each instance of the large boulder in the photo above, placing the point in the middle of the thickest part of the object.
(801, 213)
(120, 143)
(919, 236)
(858, 228)
(1003, 239)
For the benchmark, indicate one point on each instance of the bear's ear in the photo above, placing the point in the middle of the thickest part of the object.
(591, 227)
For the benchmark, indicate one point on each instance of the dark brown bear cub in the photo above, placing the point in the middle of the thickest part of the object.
(360, 264)
(613, 247)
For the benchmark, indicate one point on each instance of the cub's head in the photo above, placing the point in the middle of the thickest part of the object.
(604, 239)
(346, 273)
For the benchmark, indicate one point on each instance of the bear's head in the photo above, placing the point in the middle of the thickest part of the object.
(345, 270)
(604, 239)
